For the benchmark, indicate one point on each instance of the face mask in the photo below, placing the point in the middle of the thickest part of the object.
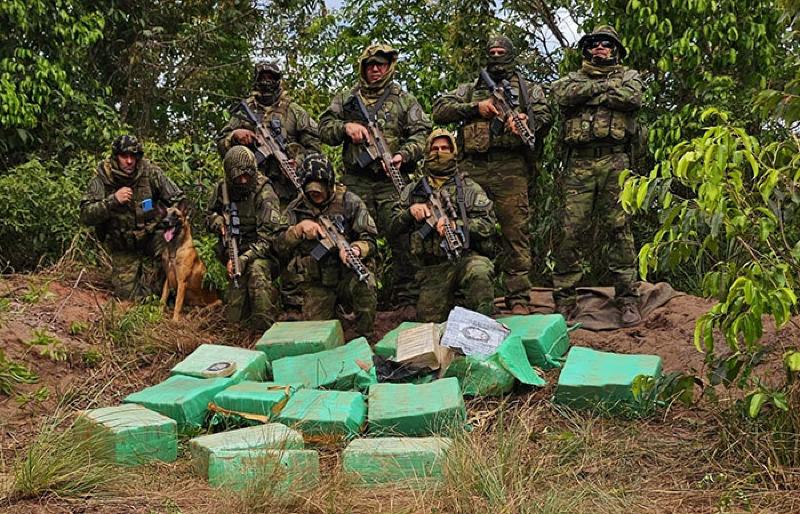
(441, 163)
(500, 66)
(268, 90)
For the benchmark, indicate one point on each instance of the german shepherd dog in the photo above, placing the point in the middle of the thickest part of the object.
(182, 266)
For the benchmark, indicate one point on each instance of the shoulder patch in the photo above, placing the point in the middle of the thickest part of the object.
(463, 90)
(415, 113)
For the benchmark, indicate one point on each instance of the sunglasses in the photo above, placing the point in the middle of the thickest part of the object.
(603, 43)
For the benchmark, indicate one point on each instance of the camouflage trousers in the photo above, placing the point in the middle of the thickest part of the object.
(380, 196)
(319, 301)
(593, 218)
(255, 302)
(504, 177)
(467, 283)
(135, 276)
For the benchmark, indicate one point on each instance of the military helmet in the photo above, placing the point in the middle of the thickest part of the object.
(440, 132)
(127, 144)
(600, 33)
(500, 42)
(239, 160)
(266, 66)
(317, 168)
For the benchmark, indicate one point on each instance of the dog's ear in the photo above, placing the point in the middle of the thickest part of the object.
(184, 207)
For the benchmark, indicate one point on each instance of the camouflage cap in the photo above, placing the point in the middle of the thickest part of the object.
(317, 168)
(500, 42)
(239, 160)
(381, 52)
(127, 144)
(440, 132)
(603, 32)
(266, 66)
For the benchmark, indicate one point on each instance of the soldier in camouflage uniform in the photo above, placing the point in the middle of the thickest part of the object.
(405, 126)
(280, 114)
(329, 281)
(599, 105)
(443, 283)
(125, 201)
(255, 301)
(496, 158)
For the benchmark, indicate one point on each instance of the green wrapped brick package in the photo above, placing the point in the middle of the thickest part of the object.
(495, 375)
(184, 399)
(341, 368)
(283, 470)
(272, 436)
(259, 398)
(396, 460)
(544, 337)
(325, 416)
(138, 435)
(249, 364)
(289, 338)
(599, 379)
(416, 410)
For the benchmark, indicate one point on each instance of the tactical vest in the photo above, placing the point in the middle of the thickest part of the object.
(387, 113)
(129, 227)
(478, 135)
(248, 215)
(597, 125)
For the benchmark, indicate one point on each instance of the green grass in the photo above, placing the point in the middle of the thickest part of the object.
(48, 346)
(13, 373)
(65, 462)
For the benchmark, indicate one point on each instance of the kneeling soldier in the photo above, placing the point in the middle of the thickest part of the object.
(245, 212)
(330, 235)
(453, 225)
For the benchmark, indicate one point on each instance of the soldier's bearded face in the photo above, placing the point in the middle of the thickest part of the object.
(127, 162)
(376, 71)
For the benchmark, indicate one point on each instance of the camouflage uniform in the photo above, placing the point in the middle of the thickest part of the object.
(128, 229)
(444, 284)
(405, 126)
(599, 104)
(256, 301)
(299, 131)
(328, 282)
(498, 160)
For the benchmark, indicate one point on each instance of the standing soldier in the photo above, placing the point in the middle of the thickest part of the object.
(405, 126)
(459, 273)
(284, 118)
(599, 104)
(125, 202)
(328, 278)
(496, 156)
(253, 299)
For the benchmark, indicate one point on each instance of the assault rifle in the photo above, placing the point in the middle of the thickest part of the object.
(269, 143)
(377, 147)
(335, 239)
(230, 237)
(442, 207)
(508, 104)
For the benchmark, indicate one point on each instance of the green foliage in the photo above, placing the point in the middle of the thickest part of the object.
(77, 327)
(40, 211)
(91, 358)
(66, 462)
(124, 329)
(48, 346)
(36, 397)
(13, 373)
(216, 275)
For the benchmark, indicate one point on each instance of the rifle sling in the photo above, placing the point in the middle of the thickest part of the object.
(375, 108)
(462, 208)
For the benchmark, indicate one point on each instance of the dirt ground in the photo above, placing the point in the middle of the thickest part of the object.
(77, 310)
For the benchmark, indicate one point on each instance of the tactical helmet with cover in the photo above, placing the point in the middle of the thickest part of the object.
(127, 144)
(599, 34)
(317, 169)
(267, 77)
(239, 161)
(500, 66)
